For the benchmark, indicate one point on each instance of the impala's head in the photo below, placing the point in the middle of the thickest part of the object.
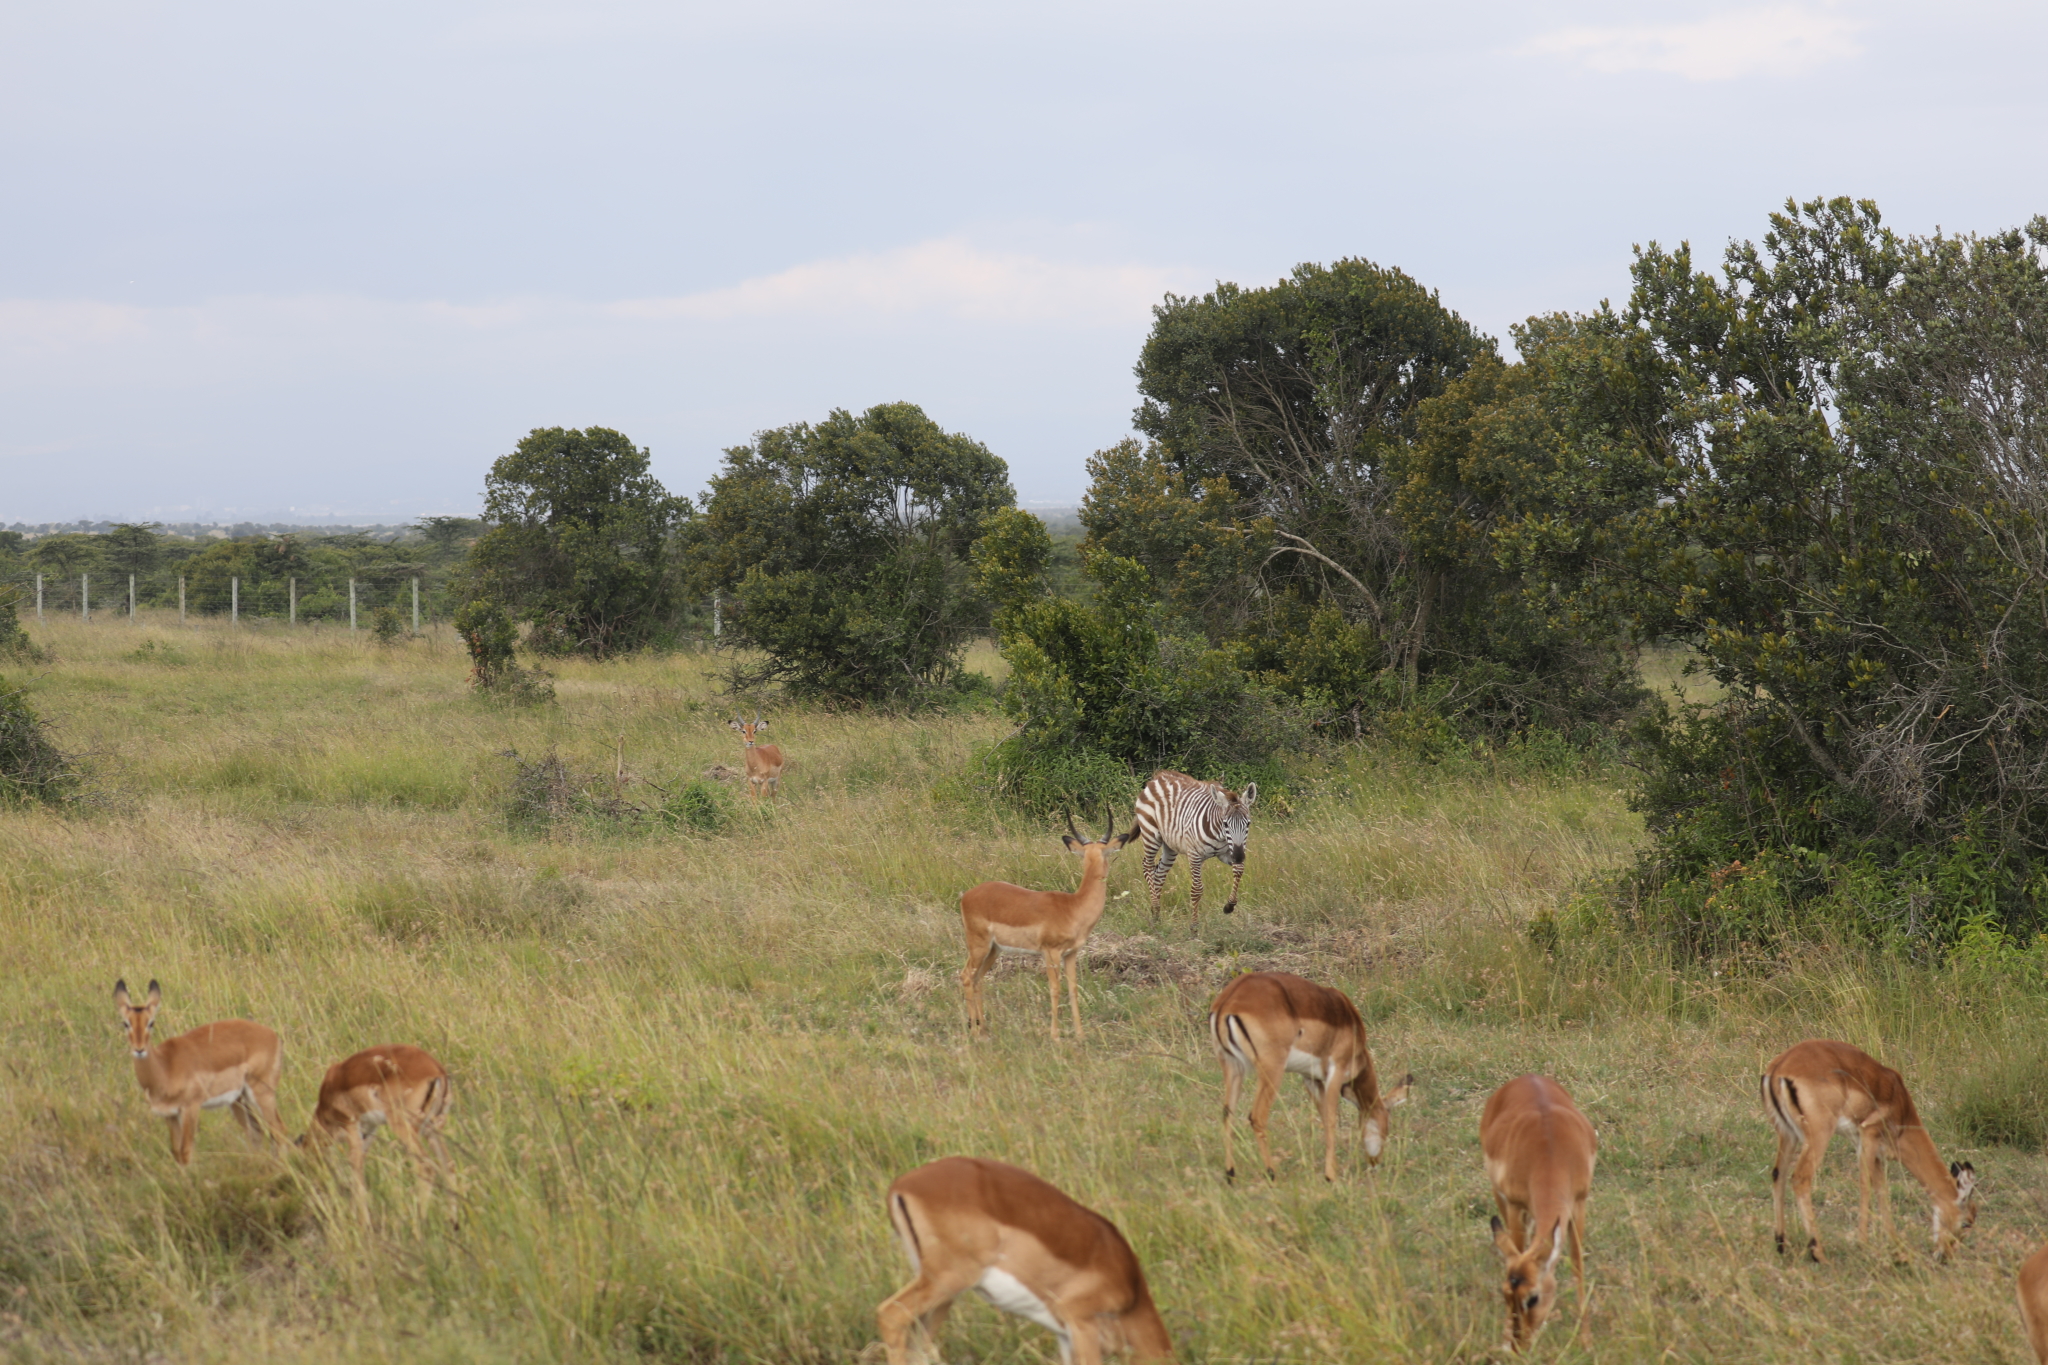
(1374, 1122)
(747, 728)
(1531, 1287)
(1951, 1221)
(137, 1020)
(1237, 820)
(1078, 842)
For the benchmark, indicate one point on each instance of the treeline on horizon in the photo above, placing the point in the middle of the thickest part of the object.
(1817, 472)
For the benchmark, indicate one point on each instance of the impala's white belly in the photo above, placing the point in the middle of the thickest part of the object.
(1008, 1293)
(222, 1101)
(1306, 1064)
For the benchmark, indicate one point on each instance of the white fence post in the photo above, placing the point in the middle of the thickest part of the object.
(714, 616)
(351, 604)
(39, 599)
(294, 589)
(85, 597)
(181, 599)
(235, 601)
(131, 599)
(415, 606)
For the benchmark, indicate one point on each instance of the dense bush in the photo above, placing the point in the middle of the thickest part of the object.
(32, 767)
(580, 542)
(843, 549)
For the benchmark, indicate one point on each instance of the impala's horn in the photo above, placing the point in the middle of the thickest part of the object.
(1079, 837)
(1109, 811)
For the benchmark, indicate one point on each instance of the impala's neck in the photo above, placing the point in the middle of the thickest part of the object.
(1091, 895)
(149, 1069)
(1917, 1154)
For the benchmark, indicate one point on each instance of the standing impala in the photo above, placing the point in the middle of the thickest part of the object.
(764, 761)
(232, 1064)
(397, 1086)
(2033, 1287)
(1820, 1086)
(1274, 1023)
(965, 1223)
(1053, 924)
(1539, 1155)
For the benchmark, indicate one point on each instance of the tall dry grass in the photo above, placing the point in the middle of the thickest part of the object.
(687, 1065)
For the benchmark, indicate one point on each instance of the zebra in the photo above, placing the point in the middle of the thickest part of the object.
(1179, 814)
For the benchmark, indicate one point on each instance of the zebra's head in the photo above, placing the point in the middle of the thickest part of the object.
(1237, 820)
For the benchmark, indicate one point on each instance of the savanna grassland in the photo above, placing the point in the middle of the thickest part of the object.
(687, 1062)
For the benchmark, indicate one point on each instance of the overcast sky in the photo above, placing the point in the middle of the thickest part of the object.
(262, 260)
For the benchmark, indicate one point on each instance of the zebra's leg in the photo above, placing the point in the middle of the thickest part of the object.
(1236, 879)
(1156, 869)
(1195, 861)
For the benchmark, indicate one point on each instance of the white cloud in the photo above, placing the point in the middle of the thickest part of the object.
(947, 276)
(1779, 40)
(948, 280)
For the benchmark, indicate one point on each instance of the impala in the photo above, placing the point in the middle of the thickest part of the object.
(2033, 1288)
(764, 761)
(232, 1064)
(397, 1086)
(1539, 1153)
(1274, 1023)
(1818, 1087)
(1053, 924)
(966, 1223)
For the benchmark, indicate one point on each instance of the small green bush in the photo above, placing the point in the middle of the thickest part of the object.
(699, 805)
(491, 637)
(386, 626)
(32, 767)
(14, 641)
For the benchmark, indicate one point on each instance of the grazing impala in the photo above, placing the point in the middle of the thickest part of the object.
(399, 1086)
(1818, 1087)
(1053, 924)
(764, 761)
(965, 1223)
(2033, 1288)
(1539, 1153)
(1274, 1023)
(231, 1064)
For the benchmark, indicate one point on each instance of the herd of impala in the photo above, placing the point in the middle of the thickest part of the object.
(971, 1223)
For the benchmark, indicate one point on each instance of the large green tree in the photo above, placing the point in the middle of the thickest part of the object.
(843, 546)
(580, 541)
(1847, 525)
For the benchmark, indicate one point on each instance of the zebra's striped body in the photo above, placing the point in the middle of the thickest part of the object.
(1177, 814)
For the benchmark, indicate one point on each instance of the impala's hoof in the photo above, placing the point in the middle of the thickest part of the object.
(1781, 1244)
(1230, 907)
(1813, 1252)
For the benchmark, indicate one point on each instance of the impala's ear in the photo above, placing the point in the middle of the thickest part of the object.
(760, 725)
(1966, 1181)
(1501, 1241)
(156, 995)
(1067, 839)
(1556, 1248)
(1399, 1094)
(732, 725)
(121, 992)
(1251, 794)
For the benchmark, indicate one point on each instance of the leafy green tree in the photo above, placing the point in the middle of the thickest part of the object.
(844, 548)
(580, 541)
(1845, 525)
(1295, 397)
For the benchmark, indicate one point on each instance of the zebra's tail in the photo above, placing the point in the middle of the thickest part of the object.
(1131, 834)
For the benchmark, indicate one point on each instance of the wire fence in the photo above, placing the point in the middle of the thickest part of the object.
(353, 600)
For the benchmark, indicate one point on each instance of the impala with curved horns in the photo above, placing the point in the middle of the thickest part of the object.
(966, 1223)
(1272, 1023)
(1809, 1092)
(1539, 1153)
(764, 761)
(1001, 916)
(395, 1086)
(233, 1064)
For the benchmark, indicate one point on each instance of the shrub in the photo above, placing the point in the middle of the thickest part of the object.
(14, 641)
(491, 637)
(32, 767)
(698, 805)
(386, 626)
